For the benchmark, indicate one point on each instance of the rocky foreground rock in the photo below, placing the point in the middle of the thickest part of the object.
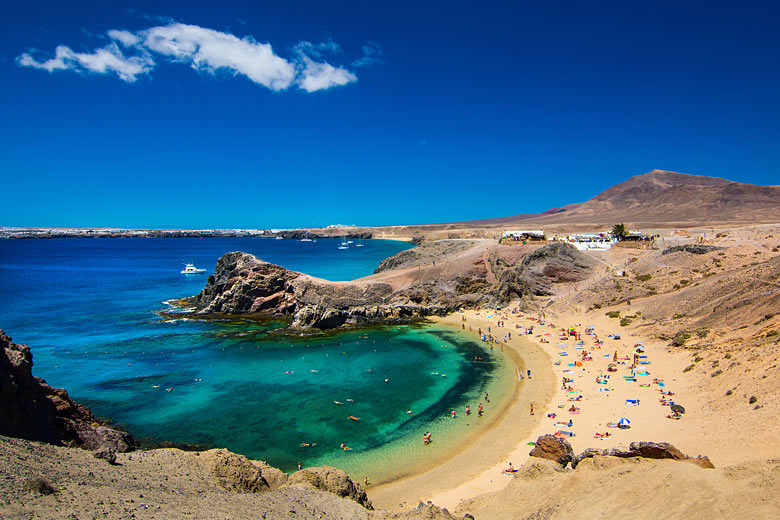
(559, 450)
(243, 284)
(31, 409)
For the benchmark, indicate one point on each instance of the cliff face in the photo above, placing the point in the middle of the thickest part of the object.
(242, 284)
(31, 409)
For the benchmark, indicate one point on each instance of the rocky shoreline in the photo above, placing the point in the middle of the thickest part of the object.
(31, 409)
(244, 284)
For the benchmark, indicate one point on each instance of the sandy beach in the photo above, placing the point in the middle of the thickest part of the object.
(478, 468)
(481, 454)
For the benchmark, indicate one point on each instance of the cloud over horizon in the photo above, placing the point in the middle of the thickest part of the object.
(205, 50)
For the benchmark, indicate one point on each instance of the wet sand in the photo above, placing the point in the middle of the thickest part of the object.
(491, 446)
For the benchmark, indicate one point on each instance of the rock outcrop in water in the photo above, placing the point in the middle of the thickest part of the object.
(31, 409)
(244, 284)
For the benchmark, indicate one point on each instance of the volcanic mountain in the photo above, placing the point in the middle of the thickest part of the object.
(664, 197)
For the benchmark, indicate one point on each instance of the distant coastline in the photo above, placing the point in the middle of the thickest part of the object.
(45, 233)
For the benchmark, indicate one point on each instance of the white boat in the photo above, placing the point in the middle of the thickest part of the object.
(306, 240)
(279, 238)
(343, 244)
(191, 269)
(359, 244)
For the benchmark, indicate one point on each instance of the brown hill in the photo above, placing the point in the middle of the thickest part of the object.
(661, 197)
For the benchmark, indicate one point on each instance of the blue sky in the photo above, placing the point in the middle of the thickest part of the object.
(284, 114)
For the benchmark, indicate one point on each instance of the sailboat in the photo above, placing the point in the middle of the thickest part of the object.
(359, 244)
(343, 244)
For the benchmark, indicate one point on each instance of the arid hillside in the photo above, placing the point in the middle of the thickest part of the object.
(657, 199)
(663, 197)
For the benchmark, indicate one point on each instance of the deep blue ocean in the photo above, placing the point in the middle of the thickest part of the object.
(90, 310)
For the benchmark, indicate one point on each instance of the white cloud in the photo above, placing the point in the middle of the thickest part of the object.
(126, 38)
(322, 76)
(101, 61)
(209, 50)
(204, 50)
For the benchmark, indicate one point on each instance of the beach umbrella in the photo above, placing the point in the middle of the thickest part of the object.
(677, 408)
(623, 422)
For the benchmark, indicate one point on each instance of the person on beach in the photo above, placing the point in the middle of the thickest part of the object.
(487, 397)
(479, 410)
(468, 410)
(510, 469)
(299, 465)
(427, 438)
(529, 373)
(366, 482)
(532, 408)
(453, 413)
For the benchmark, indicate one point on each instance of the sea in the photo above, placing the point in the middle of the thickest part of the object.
(94, 313)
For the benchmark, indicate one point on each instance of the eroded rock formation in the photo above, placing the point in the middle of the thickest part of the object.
(31, 409)
(243, 284)
(647, 450)
(332, 480)
(553, 448)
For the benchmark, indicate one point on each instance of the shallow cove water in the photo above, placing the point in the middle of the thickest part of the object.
(89, 309)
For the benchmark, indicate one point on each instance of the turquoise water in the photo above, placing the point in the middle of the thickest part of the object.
(89, 310)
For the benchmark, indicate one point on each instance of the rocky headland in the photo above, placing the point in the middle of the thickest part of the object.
(31, 409)
(433, 279)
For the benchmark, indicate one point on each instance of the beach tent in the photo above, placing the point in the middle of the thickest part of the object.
(624, 423)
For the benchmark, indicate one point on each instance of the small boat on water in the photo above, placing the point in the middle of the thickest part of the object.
(306, 240)
(191, 269)
(343, 244)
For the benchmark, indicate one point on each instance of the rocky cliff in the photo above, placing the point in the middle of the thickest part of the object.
(31, 409)
(243, 284)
